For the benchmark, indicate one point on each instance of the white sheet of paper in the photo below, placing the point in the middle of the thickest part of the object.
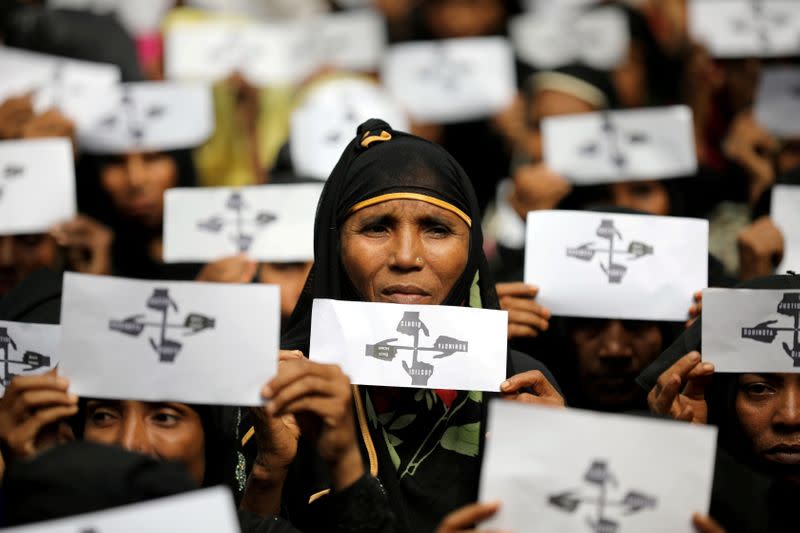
(560, 5)
(598, 38)
(552, 468)
(657, 264)
(451, 80)
(326, 121)
(268, 222)
(27, 350)
(639, 144)
(37, 185)
(206, 343)
(751, 330)
(458, 347)
(785, 212)
(274, 53)
(210, 509)
(70, 85)
(151, 116)
(777, 106)
(744, 28)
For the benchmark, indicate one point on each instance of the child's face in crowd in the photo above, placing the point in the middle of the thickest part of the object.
(21, 255)
(611, 354)
(168, 431)
(136, 183)
(404, 251)
(464, 18)
(291, 277)
(768, 409)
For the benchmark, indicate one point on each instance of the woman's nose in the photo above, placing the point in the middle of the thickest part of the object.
(136, 170)
(615, 342)
(134, 436)
(406, 251)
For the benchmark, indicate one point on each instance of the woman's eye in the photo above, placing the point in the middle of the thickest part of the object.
(374, 229)
(642, 190)
(166, 418)
(759, 389)
(102, 417)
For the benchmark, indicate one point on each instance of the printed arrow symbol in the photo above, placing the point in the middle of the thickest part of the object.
(566, 501)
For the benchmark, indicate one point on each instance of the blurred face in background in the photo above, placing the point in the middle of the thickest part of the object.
(630, 77)
(648, 196)
(136, 183)
(610, 355)
(448, 19)
(21, 255)
(548, 103)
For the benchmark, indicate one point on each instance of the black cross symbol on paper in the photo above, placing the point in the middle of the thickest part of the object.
(764, 332)
(444, 71)
(29, 361)
(236, 51)
(600, 476)
(11, 171)
(236, 204)
(420, 371)
(136, 126)
(762, 22)
(614, 139)
(160, 301)
(614, 271)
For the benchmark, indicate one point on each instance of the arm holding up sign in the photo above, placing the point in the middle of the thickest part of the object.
(28, 409)
(526, 318)
(679, 392)
(542, 392)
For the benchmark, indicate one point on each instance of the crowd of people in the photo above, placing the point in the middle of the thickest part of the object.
(411, 213)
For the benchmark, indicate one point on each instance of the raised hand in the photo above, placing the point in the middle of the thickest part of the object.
(526, 318)
(679, 392)
(543, 391)
(465, 519)
(87, 243)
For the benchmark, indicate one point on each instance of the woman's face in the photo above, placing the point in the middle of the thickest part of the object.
(21, 255)
(544, 104)
(136, 183)
(464, 18)
(291, 277)
(649, 196)
(404, 251)
(168, 431)
(768, 409)
(611, 354)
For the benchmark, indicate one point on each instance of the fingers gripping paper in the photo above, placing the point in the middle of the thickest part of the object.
(451, 80)
(582, 471)
(269, 223)
(608, 147)
(37, 185)
(611, 265)
(27, 350)
(424, 346)
(751, 330)
(190, 342)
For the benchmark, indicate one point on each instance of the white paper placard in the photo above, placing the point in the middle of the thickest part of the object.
(751, 330)
(326, 121)
(151, 116)
(609, 147)
(37, 185)
(274, 53)
(588, 471)
(560, 5)
(609, 265)
(598, 38)
(785, 212)
(210, 509)
(206, 343)
(422, 346)
(746, 28)
(777, 106)
(27, 350)
(268, 222)
(70, 85)
(451, 80)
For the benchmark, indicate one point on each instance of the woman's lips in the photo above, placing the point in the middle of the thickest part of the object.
(785, 454)
(404, 294)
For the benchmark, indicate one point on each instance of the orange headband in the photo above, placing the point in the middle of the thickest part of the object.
(412, 196)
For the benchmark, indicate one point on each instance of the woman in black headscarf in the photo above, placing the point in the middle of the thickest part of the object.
(398, 222)
(758, 416)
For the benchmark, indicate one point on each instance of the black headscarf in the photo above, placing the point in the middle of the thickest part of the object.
(377, 162)
(82, 477)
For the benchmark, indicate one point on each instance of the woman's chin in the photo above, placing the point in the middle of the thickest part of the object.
(404, 298)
